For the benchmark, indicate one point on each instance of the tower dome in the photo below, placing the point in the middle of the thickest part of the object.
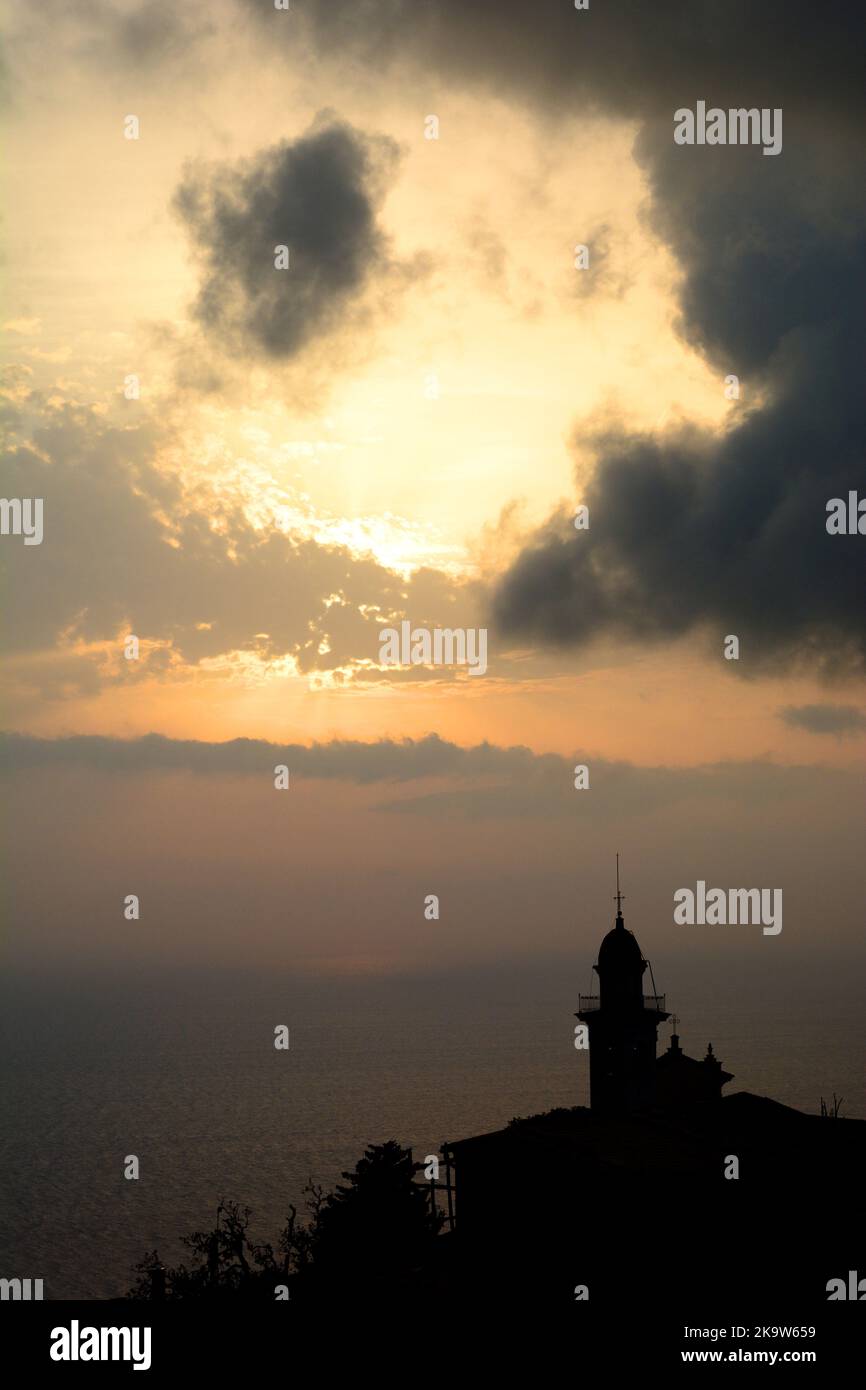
(621, 965)
(621, 968)
(619, 949)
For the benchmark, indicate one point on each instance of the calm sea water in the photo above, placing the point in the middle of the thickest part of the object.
(183, 1073)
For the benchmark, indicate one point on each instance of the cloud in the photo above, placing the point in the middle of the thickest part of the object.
(386, 760)
(113, 37)
(692, 532)
(156, 32)
(319, 196)
(625, 57)
(840, 720)
(483, 781)
(628, 58)
(606, 272)
(130, 548)
(716, 531)
(725, 531)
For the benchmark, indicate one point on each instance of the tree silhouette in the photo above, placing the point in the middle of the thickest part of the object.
(228, 1263)
(379, 1224)
(376, 1229)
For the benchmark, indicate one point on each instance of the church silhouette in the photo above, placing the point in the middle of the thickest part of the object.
(622, 1026)
(745, 1197)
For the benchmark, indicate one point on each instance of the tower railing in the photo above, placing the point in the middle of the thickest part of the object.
(590, 1003)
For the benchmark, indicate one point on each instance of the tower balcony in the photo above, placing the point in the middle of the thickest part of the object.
(591, 1003)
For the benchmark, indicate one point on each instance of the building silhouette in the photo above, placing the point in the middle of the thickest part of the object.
(622, 1022)
(598, 1195)
(683, 1081)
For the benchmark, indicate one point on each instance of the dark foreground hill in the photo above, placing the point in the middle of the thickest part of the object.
(744, 1199)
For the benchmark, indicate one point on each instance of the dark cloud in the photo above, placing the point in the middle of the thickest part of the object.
(840, 720)
(696, 530)
(484, 781)
(318, 196)
(386, 760)
(726, 531)
(622, 56)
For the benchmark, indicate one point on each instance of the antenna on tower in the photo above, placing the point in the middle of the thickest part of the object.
(619, 895)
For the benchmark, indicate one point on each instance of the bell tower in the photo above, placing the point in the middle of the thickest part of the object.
(622, 1023)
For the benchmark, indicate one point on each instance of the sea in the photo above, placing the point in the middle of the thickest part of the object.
(180, 1070)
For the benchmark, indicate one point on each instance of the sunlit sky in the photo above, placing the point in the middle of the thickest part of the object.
(344, 443)
(257, 514)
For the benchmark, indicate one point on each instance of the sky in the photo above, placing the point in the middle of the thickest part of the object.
(401, 426)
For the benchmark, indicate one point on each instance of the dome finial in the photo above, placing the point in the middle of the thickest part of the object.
(619, 897)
